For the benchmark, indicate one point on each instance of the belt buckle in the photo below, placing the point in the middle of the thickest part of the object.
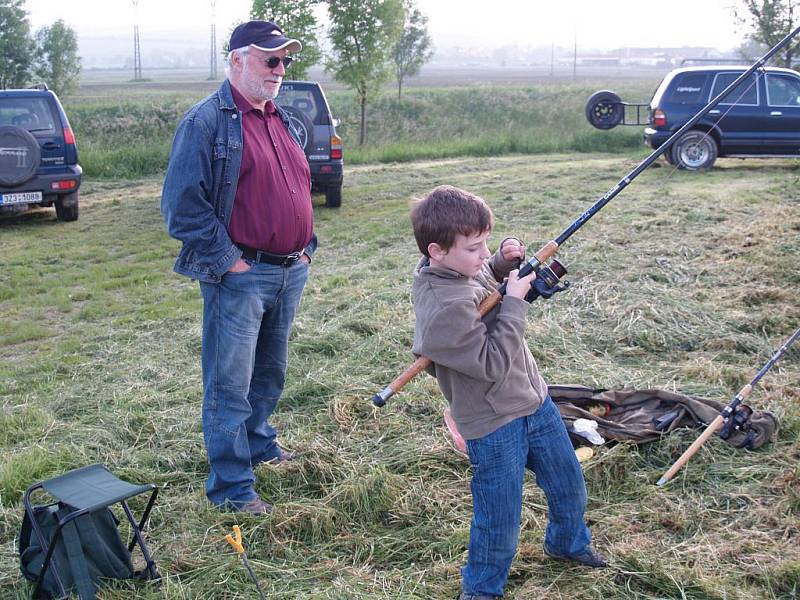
(291, 258)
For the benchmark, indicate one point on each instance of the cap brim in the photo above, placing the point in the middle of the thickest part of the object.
(281, 43)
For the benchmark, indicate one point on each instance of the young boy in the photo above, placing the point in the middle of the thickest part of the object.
(497, 397)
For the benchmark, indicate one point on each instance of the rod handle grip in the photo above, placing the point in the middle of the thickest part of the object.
(412, 371)
(713, 427)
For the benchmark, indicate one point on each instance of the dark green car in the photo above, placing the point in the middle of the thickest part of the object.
(38, 156)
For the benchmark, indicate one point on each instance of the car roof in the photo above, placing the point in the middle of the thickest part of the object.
(29, 93)
(300, 82)
(715, 68)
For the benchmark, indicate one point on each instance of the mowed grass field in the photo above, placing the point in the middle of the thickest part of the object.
(686, 281)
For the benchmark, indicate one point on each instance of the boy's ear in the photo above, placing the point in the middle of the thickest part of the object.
(435, 251)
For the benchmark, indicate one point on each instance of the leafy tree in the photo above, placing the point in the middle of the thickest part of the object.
(58, 63)
(414, 47)
(17, 50)
(363, 34)
(770, 21)
(296, 19)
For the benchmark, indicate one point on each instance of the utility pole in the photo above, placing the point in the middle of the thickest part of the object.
(137, 48)
(552, 56)
(575, 58)
(213, 63)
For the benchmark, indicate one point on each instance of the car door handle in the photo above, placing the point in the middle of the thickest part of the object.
(714, 112)
(51, 146)
(776, 113)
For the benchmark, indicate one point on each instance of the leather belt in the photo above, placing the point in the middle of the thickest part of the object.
(261, 256)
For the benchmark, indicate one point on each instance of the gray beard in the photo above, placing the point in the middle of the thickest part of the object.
(262, 92)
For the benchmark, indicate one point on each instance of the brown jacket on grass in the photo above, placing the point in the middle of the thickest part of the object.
(483, 366)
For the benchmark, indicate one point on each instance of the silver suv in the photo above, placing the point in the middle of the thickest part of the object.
(309, 113)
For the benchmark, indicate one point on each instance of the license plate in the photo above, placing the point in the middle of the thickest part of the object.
(21, 198)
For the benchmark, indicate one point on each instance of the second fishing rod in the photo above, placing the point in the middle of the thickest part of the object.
(538, 260)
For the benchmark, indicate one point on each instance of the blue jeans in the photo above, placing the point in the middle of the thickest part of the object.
(247, 318)
(538, 442)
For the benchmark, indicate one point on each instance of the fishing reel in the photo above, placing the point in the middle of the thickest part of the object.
(737, 421)
(548, 281)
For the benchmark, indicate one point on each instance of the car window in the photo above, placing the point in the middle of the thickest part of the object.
(783, 90)
(688, 88)
(302, 98)
(746, 93)
(32, 114)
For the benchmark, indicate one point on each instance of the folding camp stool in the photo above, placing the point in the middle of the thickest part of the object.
(86, 490)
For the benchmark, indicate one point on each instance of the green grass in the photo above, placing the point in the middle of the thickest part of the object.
(133, 137)
(684, 282)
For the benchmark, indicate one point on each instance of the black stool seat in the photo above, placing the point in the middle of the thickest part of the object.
(91, 488)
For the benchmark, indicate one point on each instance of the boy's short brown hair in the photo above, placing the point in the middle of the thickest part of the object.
(445, 212)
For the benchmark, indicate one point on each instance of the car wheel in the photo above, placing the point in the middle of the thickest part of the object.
(67, 207)
(604, 110)
(333, 197)
(302, 124)
(695, 151)
(20, 155)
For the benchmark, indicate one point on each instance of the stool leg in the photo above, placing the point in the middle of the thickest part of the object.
(145, 516)
(151, 567)
(48, 548)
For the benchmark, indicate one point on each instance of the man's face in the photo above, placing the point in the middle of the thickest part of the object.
(256, 81)
(466, 255)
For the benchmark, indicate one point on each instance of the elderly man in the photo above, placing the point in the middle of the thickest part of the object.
(237, 194)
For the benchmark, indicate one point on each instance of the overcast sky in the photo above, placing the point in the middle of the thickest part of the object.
(482, 23)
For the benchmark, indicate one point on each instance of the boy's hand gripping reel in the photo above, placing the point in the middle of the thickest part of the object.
(548, 281)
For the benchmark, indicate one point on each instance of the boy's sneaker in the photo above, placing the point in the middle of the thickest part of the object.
(589, 557)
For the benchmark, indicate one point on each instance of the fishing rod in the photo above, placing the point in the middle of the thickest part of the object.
(537, 261)
(734, 414)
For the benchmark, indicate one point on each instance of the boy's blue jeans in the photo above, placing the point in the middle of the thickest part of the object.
(247, 318)
(538, 442)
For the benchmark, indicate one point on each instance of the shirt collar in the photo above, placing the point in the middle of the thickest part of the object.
(244, 105)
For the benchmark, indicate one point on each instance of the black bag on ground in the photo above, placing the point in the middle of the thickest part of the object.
(88, 549)
(645, 415)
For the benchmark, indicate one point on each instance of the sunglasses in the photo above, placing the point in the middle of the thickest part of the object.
(273, 61)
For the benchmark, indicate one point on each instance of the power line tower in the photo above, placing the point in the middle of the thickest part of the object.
(575, 58)
(137, 48)
(213, 64)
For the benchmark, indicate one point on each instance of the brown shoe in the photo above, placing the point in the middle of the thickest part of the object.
(256, 506)
(284, 456)
(588, 557)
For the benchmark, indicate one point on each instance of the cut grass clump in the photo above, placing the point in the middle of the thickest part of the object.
(653, 578)
(22, 425)
(19, 470)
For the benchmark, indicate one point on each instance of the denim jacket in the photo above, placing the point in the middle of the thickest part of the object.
(200, 185)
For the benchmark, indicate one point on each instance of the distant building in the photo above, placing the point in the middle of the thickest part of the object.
(663, 57)
(598, 61)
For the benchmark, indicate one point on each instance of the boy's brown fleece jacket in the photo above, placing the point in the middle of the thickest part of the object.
(483, 366)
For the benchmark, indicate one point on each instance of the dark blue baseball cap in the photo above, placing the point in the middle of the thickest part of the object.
(263, 35)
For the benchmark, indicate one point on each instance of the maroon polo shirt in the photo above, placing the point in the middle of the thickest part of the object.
(272, 207)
